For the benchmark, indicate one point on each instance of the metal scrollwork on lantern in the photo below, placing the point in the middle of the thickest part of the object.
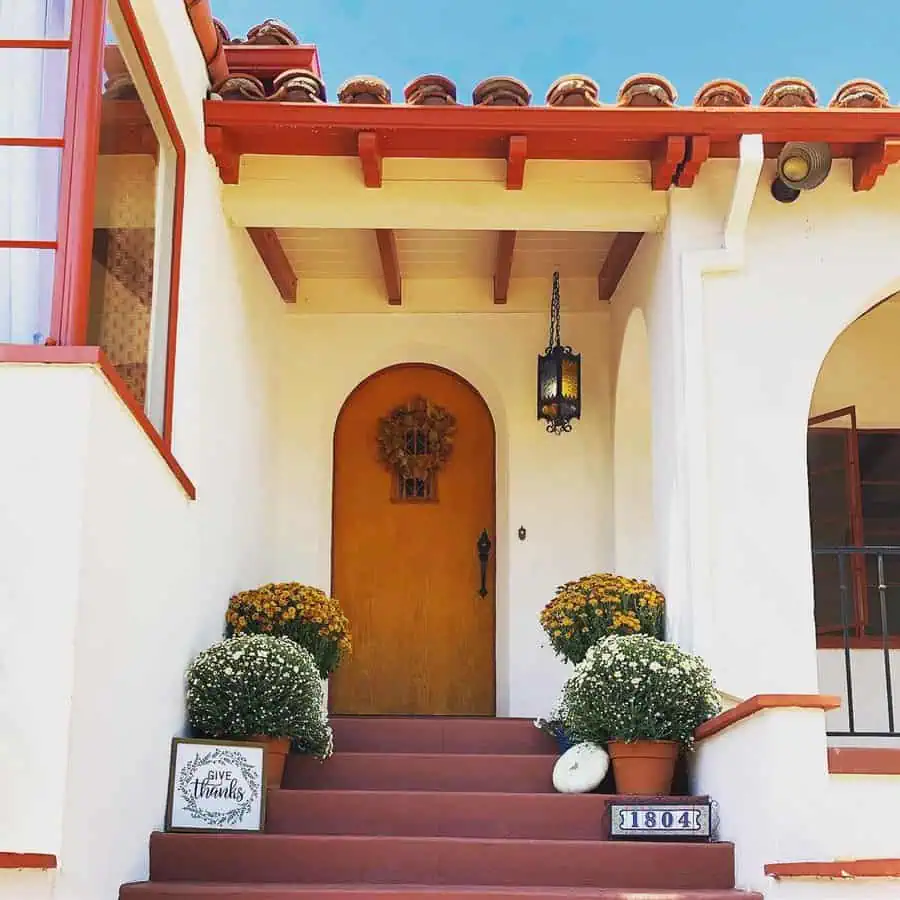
(559, 376)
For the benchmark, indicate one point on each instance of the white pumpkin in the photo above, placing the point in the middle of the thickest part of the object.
(580, 769)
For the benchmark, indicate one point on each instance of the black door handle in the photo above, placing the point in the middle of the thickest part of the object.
(484, 554)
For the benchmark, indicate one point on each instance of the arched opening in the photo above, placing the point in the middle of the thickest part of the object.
(409, 563)
(853, 468)
(633, 454)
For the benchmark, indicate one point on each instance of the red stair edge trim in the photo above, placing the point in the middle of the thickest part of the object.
(27, 860)
(761, 702)
(850, 868)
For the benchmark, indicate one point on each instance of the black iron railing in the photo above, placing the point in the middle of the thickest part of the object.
(867, 618)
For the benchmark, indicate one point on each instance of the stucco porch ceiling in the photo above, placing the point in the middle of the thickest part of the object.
(489, 263)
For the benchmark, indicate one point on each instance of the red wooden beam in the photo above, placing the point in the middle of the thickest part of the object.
(624, 246)
(516, 156)
(220, 145)
(698, 150)
(665, 161)
(506, 245)
(871, 162)
(269, 60)
(370, 157)
(275, 260)
(390, 264)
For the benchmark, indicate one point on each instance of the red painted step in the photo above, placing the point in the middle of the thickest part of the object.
(439, 814)
(439, 734)
(180, 891)
(309, 859)
(513, 773)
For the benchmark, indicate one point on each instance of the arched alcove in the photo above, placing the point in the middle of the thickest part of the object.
(632, 454)
(853, 471)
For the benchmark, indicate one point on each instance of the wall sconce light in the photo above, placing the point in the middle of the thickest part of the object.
(800, 167)
(559, 377)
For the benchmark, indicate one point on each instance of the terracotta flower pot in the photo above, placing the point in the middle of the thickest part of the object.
(277, 750)
(365, 89)
(430, 90)
(643, 767)
(722, 92)
(789, 92)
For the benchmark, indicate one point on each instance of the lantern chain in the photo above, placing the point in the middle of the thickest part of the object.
(554, 314)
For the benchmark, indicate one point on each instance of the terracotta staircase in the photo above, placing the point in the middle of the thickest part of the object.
(432, 809)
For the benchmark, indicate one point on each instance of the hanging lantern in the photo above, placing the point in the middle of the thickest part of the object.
(559, 377)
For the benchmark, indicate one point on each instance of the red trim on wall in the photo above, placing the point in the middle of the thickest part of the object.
(27, 861)
(28, 245)
(78, 175)
(119, 386)
(863, 642)
(850, 868)
(762, 702)
(35, 44)
(143, 52)
(40, 142)
(864, 760)
(26, 354)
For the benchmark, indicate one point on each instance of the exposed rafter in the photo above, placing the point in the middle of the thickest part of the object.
(516, 157)
(370, 158)
(623, 248)
(390, 265)
(275, 260)
(666, 159)
(872, 161)
(220, 145)
(506, 245)
(698, 149)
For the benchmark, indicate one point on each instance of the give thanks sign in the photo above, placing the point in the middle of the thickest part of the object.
(216, 786)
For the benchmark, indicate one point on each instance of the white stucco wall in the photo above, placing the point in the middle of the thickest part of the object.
(558, 487)
(114, 579)
(810, 269)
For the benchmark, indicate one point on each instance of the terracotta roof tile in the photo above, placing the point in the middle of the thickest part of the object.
(647, 90)
(573, 90)
(722, 92)
(272, 32)
(644, 90)
(501, 90)
(789, 92)
(430, 90)
(365, 89)
(860, 94)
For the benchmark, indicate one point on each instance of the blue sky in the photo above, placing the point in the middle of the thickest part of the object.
(690, 42)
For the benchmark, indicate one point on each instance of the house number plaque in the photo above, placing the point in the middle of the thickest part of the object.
(661, 819)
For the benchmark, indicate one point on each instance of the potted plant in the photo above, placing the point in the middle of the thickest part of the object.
(305, 615)
(586, 610)
(644, 698)
(261, 688)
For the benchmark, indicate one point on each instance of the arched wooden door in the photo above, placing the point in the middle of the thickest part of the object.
(405, 559)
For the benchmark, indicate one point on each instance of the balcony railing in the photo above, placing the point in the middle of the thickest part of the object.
(858, 613)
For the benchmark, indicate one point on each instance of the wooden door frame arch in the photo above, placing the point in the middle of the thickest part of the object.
(479, 396)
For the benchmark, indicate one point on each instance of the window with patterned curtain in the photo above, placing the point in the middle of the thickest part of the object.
(133, 222)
